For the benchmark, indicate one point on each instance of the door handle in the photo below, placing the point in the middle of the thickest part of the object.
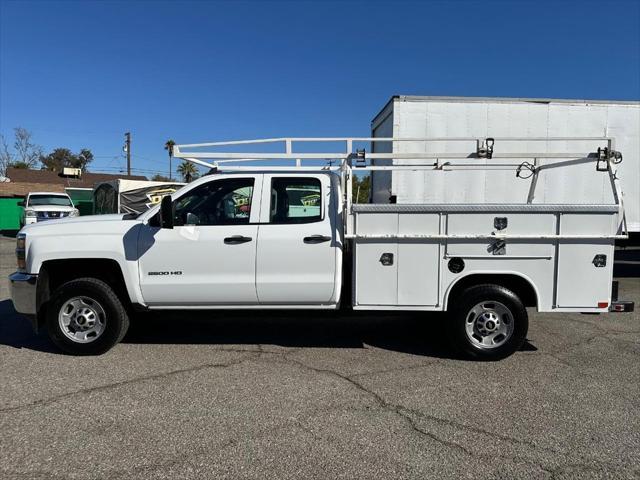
(316, 239)
(236, 239)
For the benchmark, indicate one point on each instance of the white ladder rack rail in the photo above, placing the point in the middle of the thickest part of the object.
(221, 161)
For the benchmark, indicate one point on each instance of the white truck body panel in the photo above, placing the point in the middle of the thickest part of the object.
(418, 117)
(562, 272)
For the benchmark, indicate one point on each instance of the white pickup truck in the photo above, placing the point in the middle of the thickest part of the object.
(289, 237)
(42, 206)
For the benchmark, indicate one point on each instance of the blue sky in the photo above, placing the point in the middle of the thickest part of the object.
(80, 74)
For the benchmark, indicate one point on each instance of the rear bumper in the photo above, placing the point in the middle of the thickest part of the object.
(23, 292)
(619, 306)
(622, 306)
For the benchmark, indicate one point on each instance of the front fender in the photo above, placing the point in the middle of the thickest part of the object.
(117, 241)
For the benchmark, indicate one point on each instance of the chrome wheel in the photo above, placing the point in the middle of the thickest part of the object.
(82, 319)
(489, 325)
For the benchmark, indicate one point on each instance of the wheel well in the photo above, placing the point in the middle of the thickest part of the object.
(518, 285)
(54, 273)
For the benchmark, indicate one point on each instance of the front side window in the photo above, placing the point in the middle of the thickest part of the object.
(295, 200)
(56, 200)
(223, 202)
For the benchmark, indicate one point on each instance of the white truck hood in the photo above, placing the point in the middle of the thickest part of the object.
(79, 225)
(95, 236)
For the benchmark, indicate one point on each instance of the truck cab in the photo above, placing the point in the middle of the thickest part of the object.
(245, 239)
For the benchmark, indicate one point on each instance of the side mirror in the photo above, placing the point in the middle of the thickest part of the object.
(166, 212)
(21, 204)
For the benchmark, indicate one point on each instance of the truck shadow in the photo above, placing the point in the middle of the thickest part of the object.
(16, 331)
(421, 334)
(417, 334)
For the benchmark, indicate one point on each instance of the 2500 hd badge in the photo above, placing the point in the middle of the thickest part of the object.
(177, 272)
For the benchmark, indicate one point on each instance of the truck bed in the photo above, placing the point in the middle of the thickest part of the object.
(552, 247)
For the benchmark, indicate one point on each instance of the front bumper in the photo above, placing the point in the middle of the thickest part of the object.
(23, 292)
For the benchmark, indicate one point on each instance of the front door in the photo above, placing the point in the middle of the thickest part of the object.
(297, 241)
(209, 257)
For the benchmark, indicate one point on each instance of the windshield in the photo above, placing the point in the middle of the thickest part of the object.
(58, 200)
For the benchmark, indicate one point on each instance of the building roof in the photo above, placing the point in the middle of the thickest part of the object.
(23, 181)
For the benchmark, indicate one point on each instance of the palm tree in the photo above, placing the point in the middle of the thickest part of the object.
(188, 171)
(168, 146)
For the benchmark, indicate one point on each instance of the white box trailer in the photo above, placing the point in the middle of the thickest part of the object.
(456, 117)
(130, 196)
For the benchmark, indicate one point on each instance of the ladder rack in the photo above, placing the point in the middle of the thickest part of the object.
(482, 153)
(481, 148)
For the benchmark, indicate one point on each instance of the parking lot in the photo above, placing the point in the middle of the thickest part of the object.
(217, 395)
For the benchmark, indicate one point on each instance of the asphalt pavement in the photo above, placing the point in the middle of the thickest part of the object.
(219, 395)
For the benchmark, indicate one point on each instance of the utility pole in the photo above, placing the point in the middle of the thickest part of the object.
(127, 148)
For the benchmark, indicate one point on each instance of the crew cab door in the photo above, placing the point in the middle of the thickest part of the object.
(209, 257)
(297, 241)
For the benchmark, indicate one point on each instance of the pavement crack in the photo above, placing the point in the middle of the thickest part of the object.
(100, 388)
(391, 370)
(480, 431)
(395, 409)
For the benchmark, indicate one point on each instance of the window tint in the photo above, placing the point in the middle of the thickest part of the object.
(223, 202)
(295, 200)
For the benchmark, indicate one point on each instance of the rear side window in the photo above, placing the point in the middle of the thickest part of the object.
(295, 200)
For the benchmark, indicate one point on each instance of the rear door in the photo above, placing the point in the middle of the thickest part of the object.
(297, 241)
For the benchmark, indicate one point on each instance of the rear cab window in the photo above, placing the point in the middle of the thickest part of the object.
(295, 200)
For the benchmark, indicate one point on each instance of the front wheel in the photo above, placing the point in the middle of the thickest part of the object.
(86, 317)
(488, 322)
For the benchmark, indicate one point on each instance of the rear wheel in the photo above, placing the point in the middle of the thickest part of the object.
(488, 322)
(85, 317)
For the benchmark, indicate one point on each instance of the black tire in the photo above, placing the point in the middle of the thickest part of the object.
(462, 315)
(116, 320)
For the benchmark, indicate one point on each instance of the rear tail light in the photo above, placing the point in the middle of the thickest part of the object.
(603, 304)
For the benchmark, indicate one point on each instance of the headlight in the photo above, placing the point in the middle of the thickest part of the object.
(74, 213)
(30, 213)
(21, 242)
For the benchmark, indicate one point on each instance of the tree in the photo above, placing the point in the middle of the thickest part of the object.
(168, 146)
(82, 159)
(361, 189)
(5, 156)
(159, 178)
(20, 165)
(25, 153)
(64, 158)
(188, 171)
